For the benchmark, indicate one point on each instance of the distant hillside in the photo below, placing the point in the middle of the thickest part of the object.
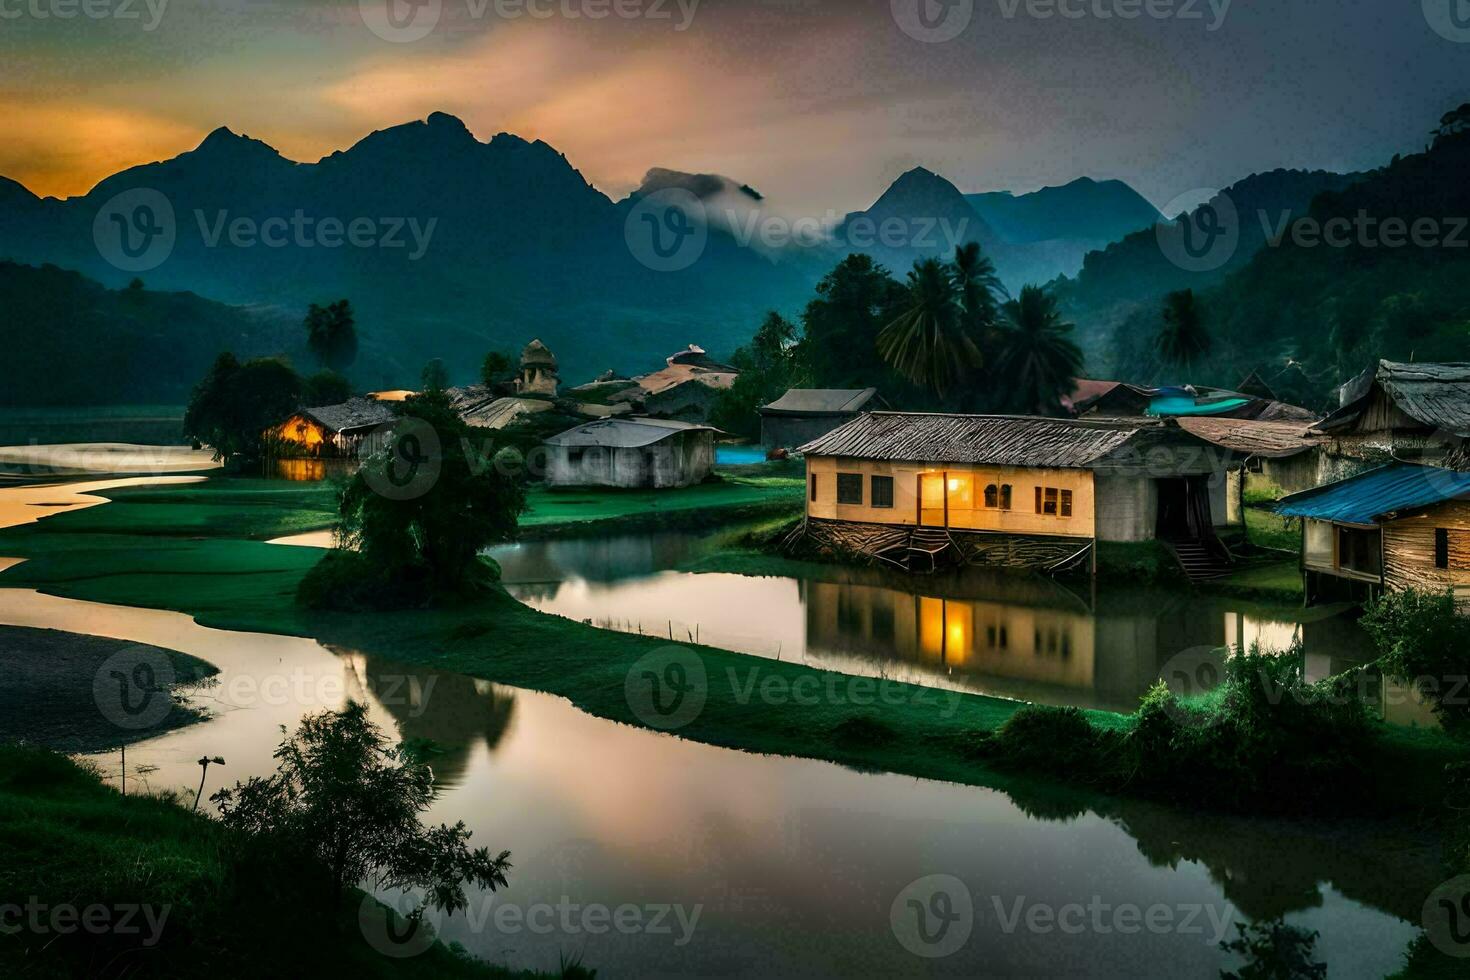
(1084, 210)
(1135, 273)
(1310, 314)
(465, 246)
(70, 341)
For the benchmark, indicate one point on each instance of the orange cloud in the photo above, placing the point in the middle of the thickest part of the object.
(65, 148)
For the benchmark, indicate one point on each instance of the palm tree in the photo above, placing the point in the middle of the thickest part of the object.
(1183, 340)
(928, 343)
(979, 287)
(1036, 355)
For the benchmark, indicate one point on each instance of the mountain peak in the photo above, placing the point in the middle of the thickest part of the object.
(225, 141)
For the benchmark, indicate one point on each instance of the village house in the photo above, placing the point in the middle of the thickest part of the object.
(1044, 490)
(804, 414)
(1418, 413)
(631, 453)
(685, 388)
(328, 431)
(1278, 455)
(1395, 527)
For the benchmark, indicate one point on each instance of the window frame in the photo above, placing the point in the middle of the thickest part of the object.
(850, 480)
(875, 500)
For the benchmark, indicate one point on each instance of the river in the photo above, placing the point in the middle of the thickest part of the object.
(650, 856)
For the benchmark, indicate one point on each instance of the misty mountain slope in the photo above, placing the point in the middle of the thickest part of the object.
(1328, 310)
(71, 341)
(465, 246)
(1084, 210)
(1136, 273)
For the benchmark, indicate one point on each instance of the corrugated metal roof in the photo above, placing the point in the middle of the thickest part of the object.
(1377, 494)
(987, 439)
(820, 401)
(1274, 440)
(623, 433)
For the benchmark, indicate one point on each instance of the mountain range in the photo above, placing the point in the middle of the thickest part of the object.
(449, 246)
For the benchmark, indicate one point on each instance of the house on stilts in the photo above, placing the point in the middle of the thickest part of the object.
(922, 490)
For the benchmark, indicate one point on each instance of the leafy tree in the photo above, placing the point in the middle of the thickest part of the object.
(1423, 640)
(326, 388)
(235, 404)
(418, 512)
(349, 803)
(1036, 357)
(929, 343)
(497, 368)
(331, 334)
(1183, 341)
(840, 326)
(435, 376)
(769, 365)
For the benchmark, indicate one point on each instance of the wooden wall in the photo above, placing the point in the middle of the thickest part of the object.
(1408, 549)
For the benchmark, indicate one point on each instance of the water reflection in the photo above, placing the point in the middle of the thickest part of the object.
(793, 864)
(1014, 636)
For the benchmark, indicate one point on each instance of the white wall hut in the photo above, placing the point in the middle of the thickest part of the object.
(631, 453)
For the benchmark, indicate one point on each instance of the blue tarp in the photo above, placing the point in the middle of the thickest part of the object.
(1368, 496)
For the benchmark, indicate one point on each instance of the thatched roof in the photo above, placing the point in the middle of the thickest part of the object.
(537, 354)
(1435, 394)
(356, 413)
(1274, 440)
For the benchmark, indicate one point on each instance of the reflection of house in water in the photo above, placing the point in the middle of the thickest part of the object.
(1022, 637)
(455, 712)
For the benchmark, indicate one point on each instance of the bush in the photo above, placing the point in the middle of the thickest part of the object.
(1046, 739)
(1423, 640)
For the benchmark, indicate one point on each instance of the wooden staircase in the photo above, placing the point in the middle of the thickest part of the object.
(917, 549)
(1200, 562)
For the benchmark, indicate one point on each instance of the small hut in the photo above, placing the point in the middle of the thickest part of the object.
(631, 453)
(539, 374)
(804, 414)
(1396, 527)
(328, 431)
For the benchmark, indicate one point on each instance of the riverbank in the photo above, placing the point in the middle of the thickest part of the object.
(57, 696)
(193, 907)
(729, 499)
(199, 549)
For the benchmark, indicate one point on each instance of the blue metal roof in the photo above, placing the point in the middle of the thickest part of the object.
(1365, 498)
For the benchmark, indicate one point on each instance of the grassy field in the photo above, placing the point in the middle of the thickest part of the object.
(200, 550)
(1270, 531)
(73, 843)
(734, 497)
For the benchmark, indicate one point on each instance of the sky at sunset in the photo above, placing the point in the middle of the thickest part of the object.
(816, 103)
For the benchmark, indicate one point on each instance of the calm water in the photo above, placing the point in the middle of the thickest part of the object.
(1012, 636)
(741, 865)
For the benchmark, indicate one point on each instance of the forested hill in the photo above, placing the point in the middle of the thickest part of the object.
(70, 341)
(1348, 282)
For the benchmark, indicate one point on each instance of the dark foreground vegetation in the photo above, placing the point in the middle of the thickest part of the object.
(97, 884)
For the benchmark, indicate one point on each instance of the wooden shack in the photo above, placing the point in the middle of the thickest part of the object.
(631, 453)
(1419, 413)
(1395, 527)
(327, 431)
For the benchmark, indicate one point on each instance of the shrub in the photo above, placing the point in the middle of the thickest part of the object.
(1421, 639)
